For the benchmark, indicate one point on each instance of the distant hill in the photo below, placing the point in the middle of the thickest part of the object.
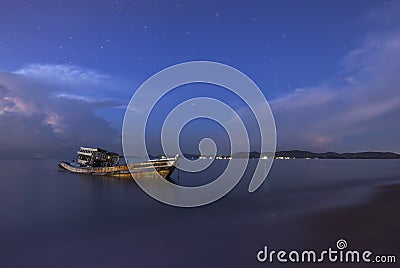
(372, 155)
(327, 155)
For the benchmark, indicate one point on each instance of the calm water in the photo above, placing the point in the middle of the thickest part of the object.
(57, 219)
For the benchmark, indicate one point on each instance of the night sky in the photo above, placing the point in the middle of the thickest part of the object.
(329, 69)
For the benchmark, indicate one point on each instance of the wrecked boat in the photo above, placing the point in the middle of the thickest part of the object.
(97, 161)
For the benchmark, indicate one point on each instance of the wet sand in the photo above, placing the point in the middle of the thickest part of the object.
(371, 225)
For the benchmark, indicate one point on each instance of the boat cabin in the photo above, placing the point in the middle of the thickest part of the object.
(96, 157)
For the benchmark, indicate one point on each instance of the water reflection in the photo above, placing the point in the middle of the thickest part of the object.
(59, 219)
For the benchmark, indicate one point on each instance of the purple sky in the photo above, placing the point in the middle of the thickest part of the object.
(329, 69)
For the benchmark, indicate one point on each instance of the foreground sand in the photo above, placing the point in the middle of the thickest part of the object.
(372, 225)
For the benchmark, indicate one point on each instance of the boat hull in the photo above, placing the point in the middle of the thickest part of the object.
(139, 170)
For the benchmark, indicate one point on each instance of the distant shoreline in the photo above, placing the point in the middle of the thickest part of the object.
(298, 154)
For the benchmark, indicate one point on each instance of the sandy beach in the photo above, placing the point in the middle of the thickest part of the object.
(373, 224)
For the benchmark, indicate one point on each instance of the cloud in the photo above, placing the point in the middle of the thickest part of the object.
(63, 73)
(75, 82)
(357, 110)
(44, 112)
(91, 99)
